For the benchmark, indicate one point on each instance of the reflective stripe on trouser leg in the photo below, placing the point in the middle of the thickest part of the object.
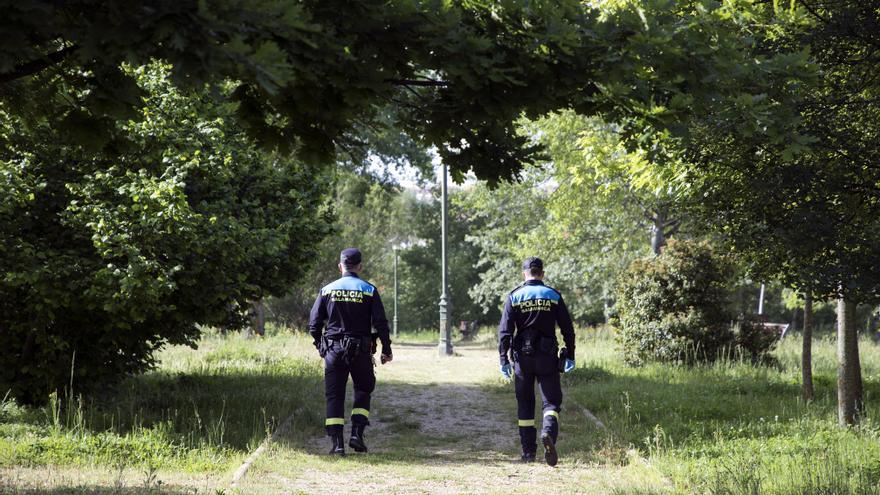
(551, 423)
(334, 425)
(360, 416)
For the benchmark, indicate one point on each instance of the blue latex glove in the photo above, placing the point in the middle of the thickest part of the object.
(569, 365)
(506, 371)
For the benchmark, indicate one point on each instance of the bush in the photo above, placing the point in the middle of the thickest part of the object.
(754, 339)
(675, 307)
(105, 256)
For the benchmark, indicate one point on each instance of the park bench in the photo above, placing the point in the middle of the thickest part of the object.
(778, 329)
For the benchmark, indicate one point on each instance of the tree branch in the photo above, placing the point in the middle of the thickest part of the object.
(34, 66)
(418, 82)
(671, 232)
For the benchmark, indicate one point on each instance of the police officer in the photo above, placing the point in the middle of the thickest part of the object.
(350, 307)
(528, 333)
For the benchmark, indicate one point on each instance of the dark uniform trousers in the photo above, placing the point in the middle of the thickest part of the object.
(336, 371)
(540, 367)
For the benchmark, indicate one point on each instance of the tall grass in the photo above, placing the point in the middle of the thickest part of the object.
(199, 411)
(729, 427)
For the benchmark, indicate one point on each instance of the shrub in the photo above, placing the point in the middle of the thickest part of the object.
(106, 256)
(754, 339)
(675, 307)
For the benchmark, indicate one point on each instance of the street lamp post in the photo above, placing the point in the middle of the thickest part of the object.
(395, 293)
(445, 347)
(761, 301)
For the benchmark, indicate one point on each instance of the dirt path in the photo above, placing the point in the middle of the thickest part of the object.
(439, 425)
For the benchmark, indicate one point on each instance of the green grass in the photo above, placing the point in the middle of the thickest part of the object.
(201, 411)
(729, 427)
(415, 337)
(431, 336)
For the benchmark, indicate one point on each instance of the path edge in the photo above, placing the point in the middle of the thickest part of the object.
(246, 465)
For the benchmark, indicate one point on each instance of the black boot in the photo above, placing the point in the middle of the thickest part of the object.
(357, 438)
(527, 457)
(338, 443)
(550, 454)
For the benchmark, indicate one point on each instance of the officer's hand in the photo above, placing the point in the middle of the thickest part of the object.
(569, 365)
(386, 358)
(506, 371)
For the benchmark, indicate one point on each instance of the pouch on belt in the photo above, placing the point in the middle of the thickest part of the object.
(352, 347)
(548, 345)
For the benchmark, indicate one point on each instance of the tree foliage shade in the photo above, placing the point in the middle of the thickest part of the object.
(108, 256)
(809, 217)
(308, 75)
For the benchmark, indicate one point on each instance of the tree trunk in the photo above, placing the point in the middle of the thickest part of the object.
(658, 234)
(258, 318)
(873, 323)
(857, 365)
(606, 306)
(849, 374)
(807, 354)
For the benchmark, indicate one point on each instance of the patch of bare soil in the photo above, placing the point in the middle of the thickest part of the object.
(435, 429)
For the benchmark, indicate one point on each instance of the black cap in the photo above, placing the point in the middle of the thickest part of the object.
(350, 257)
(533, 262)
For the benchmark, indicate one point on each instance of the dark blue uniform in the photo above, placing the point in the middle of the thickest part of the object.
(351, 308)
(528, 333)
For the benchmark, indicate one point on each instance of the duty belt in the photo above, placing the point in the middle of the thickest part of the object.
(352, 346)
(529, 342)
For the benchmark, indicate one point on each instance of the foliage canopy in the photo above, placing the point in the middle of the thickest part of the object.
(309, 74)
(106, 257)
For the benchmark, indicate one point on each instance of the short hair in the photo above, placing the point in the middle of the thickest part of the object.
(349, 266)
(534, 266)
(534, 271)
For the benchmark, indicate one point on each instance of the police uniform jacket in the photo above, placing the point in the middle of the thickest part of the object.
(538, 308)
(350, 306)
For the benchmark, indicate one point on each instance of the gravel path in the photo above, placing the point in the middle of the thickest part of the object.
(438, 426)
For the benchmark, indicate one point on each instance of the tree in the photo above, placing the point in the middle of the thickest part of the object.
(375, 216)
(310, 77)
(106, 258)
(570, 211)
(309, 74)
(807, 214)
(590, 156)
(586, 210)
(506, 214)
